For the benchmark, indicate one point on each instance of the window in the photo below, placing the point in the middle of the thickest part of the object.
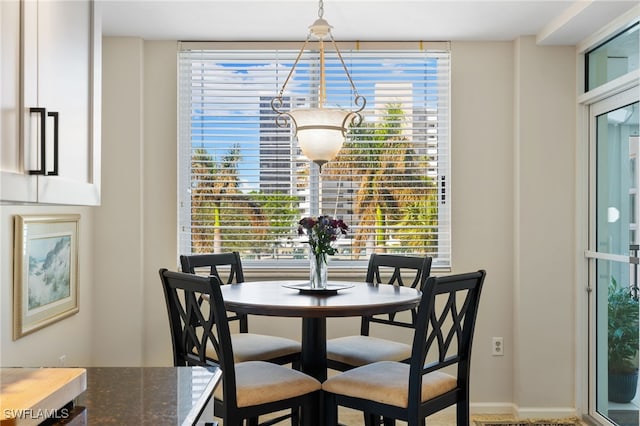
(244, 185)
(613, 58)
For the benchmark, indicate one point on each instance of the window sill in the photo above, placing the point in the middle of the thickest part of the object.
(338, 273)
(297, 273)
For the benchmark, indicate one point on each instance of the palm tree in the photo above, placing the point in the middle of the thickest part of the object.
(392, 193)
(203, 210)
(219, 209)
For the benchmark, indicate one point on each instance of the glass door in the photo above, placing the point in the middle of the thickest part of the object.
(614, 248)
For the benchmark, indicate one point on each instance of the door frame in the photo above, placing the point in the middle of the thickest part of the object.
(601, 105)
(582, 196)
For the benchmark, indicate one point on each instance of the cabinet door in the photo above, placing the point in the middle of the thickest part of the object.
(65, 86)
(15, 185)
(59, 100)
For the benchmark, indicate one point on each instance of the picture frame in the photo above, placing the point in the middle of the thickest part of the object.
(45, 288)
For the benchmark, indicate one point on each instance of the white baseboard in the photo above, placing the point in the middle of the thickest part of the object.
(493, 408)
(546, 412)
(509, 408)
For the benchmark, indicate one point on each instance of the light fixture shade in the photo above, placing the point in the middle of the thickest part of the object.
(320, 132)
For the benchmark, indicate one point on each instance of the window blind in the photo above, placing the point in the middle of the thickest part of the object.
(244, 184)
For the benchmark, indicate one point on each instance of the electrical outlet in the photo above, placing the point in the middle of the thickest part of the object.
(497, 346)
(62, 360)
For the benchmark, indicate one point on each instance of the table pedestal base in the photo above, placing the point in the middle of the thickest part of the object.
(314, 347)
(314, 361)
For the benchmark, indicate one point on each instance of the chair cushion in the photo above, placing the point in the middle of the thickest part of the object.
(259, 382)
(258, 347)
(387, 382)
(362, 350)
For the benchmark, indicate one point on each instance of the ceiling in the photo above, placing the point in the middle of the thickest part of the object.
(552, 21)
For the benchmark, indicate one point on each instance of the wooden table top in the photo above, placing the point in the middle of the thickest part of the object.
(274, 298)
(30, 395)
(106, 395)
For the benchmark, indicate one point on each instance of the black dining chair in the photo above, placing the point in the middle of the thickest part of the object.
(412, 391)
(344, 353)
(248, 389)
(247, 346)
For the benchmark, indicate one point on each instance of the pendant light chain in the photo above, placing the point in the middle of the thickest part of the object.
(322, 90)
(320, 131)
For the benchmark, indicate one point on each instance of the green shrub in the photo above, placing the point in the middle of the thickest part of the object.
(623, 329)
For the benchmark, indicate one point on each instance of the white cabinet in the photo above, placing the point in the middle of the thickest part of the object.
(51, 123)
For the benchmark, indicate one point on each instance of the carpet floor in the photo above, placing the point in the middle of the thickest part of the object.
(350, 417)
(446, 418)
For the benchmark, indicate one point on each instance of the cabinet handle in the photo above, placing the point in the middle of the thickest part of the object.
(54, 172)
(43, 144)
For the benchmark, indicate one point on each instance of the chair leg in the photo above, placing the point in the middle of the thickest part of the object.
(371, 419)
(462, 413)
(230, 420)
(389, 422)
(330, 410)
(295, 416)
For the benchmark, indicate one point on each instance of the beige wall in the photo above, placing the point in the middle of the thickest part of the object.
(160, 192)
(119, 229)
(544, 280)
(482, 212)
(72, 336)
(512, 129)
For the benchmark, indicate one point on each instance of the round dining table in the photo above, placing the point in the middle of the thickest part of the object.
(296, 299)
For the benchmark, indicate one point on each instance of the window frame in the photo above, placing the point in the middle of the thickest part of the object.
(443, 180)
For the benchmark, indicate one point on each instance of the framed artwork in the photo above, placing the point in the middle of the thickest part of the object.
(45, 288)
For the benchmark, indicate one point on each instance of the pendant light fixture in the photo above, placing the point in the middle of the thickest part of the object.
(320, 130)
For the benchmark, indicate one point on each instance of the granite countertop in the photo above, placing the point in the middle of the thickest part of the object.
(120, 396)
(146, 396)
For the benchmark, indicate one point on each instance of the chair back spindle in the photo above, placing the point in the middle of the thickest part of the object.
(210, 263)
(404, 271)
(230, 264)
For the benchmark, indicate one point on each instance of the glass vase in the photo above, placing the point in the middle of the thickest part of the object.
(317, 270)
